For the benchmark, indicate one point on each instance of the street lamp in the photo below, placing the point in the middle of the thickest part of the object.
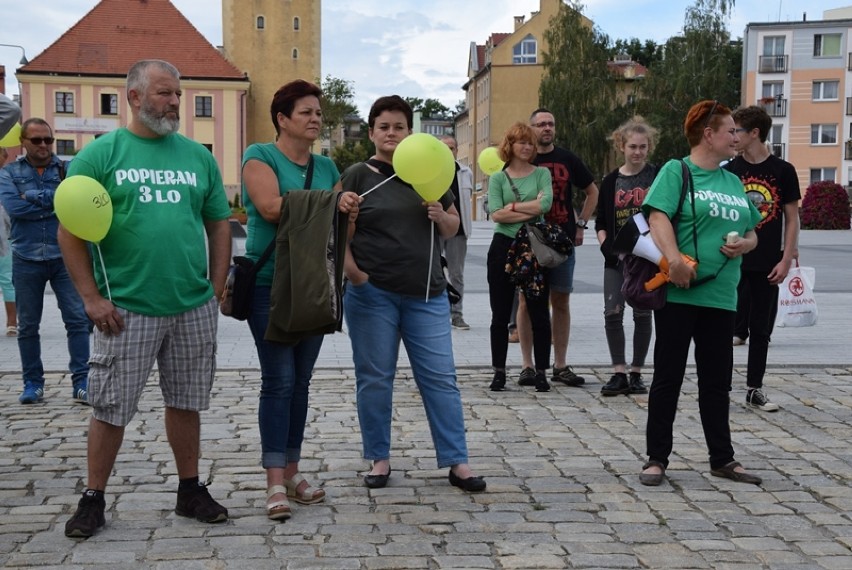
(24, 59)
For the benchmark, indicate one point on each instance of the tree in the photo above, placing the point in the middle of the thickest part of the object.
(703, 63)
(350, 152)
(429, 108)
(338, 101)
(578, 87)
(645, 53)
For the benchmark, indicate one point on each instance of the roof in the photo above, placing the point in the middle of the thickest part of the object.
(115, 34)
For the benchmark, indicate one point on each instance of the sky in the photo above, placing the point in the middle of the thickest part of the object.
(416, 48)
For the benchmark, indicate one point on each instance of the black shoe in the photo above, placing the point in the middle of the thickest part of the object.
(88, 517)
(567, 377)
(637, 386)
(197, 503)
(377, 481)
(618, 384)
(498, 384)
(471, 484)
(541, 383)
(527, 377)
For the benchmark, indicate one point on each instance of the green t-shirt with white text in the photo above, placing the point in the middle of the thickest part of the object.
(162, 191)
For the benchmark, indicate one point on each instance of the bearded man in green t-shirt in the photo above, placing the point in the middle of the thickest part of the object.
(151, 290)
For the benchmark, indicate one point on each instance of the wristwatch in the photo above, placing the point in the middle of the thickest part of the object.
(582, 223)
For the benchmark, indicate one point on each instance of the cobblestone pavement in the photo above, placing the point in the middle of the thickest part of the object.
(562, 471)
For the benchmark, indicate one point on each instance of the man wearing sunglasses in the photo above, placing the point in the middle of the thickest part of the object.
(27, 187)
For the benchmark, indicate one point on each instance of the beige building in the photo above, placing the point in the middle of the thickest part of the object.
(274, 42)
(503, 80)
(801, 73)
(78, 85)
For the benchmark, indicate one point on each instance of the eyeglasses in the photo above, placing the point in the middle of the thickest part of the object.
(39, 140)
(710, 114)
(544, 124)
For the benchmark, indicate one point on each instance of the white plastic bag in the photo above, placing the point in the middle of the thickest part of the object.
(796, 303)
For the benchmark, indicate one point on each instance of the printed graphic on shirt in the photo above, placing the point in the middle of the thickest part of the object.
(560, 178)
(765, 196)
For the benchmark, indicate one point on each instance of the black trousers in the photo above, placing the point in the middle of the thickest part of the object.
(501, 292)
(761, 309)
(676, 326)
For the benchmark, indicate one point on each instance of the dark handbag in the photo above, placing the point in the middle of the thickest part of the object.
(550, 245)
(238, 294)
(637, 270)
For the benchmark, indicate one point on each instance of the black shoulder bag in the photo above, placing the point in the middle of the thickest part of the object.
(550, 245)
(239, 287)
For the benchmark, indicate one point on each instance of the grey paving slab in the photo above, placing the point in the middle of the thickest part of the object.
(562, 469)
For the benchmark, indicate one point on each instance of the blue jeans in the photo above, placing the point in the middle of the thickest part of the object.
(30, 278)
(285, 378)
(377, 320)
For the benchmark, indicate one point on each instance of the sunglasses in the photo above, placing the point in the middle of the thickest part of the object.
(39, 140)
(710, 114)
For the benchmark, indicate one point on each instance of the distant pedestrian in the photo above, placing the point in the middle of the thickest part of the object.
(6, 285)
(455, 247)
(27, 189)
(161, 305)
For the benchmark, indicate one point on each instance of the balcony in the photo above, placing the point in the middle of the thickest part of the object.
(849, 105)
(772, 64)
(847, 150)
(777, 149)
(774, 106)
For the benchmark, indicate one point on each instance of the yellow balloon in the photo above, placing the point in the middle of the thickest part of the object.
(83, 207)
(12, 138)
(489, 161)
(432, 190)
(420, 157)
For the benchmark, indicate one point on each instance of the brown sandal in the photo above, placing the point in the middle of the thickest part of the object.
(309, 496)
(729, 472)
(653, 479)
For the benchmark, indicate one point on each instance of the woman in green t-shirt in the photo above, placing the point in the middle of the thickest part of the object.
(700, 303)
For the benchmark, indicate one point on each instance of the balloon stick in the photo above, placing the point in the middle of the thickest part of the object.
(385, 181)
(431, 257)
(103, 268)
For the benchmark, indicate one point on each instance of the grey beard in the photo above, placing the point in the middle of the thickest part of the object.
(161, 125)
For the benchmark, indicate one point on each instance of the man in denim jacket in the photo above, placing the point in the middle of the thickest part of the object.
(27, 187)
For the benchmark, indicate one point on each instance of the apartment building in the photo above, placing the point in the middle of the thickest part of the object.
(801, 73)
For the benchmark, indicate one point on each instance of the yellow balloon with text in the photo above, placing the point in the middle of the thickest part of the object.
(432, 190)
(83, 207)
(420, 158)
(489, 161)
(12, 138)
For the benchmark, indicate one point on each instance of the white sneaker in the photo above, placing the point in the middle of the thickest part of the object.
(757, 399)
(739, 341)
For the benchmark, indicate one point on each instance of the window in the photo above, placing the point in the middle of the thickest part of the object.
(261, 22)
(296, 23)
(823, 134)
(775, 134)
(109, 104)
(826, 45)
(773, 45)
(525, 50)
(772, 89)
(818, 174)
(64, 102)
(295, 53)
(203, 106)
(64, 147)
(825, 90)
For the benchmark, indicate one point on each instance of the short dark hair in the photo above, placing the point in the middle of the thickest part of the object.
(285, 99)
(539, 110)
(754, 117)
(390, 103)
(35, 121)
